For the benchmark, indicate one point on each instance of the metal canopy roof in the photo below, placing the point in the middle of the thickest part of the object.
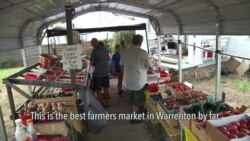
(22, 21)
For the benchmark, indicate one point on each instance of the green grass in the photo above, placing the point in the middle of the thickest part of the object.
(7, 72)
(224, 79)
(243, 85)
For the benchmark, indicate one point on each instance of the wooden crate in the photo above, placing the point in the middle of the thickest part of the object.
(69, 100)
(52, 128)
(171, 122)
(187, 123)
(151, 108)
(198, 131)
(174, 134)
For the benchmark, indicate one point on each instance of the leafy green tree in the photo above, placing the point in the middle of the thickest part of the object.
(117, 37)
(124, 35)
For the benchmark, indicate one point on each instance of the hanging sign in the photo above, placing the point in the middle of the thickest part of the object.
(71, 57)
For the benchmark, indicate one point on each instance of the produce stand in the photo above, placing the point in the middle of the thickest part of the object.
(177, 99)
(40, 86)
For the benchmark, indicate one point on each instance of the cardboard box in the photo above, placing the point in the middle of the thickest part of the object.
(216, 135)
(198, 131)
(242, 68)
(232, 64)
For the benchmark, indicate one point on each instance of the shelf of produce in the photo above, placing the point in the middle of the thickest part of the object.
(148, 93)
(40, 83)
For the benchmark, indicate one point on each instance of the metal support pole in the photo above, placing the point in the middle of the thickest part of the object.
(185, 41)
(24, 58)
(69, 16)
(159, 51)
(12, 104)
(40, 49)
(179, 59)
(218, 94)
(48, 45)
(147, 39)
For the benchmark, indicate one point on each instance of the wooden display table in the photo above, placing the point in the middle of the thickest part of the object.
(173, 133)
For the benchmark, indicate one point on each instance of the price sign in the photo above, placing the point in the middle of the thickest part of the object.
(71, 57)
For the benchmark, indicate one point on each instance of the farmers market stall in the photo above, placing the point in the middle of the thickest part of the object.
(52, 95)
(178, 107)
(162, 97)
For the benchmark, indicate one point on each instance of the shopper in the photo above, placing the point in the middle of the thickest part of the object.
(116, 68)
(110, 61)
(123, 44)
(101, 43)
(135, 63)
(99, 60)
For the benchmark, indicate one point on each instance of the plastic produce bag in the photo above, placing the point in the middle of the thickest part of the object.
(92, 106)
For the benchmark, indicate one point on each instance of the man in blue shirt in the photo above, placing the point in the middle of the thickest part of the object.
(116, 69)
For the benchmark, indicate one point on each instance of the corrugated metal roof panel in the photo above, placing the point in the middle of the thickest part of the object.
(29, 41)
(192, 9)
(8, 31)
(9, 44)
(154, 2)
(169, 29)
(161, 3)
(181, 3)
(200, 29)
(199, 17)
(195, 16)
(14, 55)
(46, 5)
(222, 3)
(236, 12)
(35, 9)
(242, 27)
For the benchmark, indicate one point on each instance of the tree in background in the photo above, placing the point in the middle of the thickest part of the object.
(117, 37)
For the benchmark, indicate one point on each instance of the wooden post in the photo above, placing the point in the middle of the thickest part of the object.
(223, 97)
(69, 16)
(12, 104)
